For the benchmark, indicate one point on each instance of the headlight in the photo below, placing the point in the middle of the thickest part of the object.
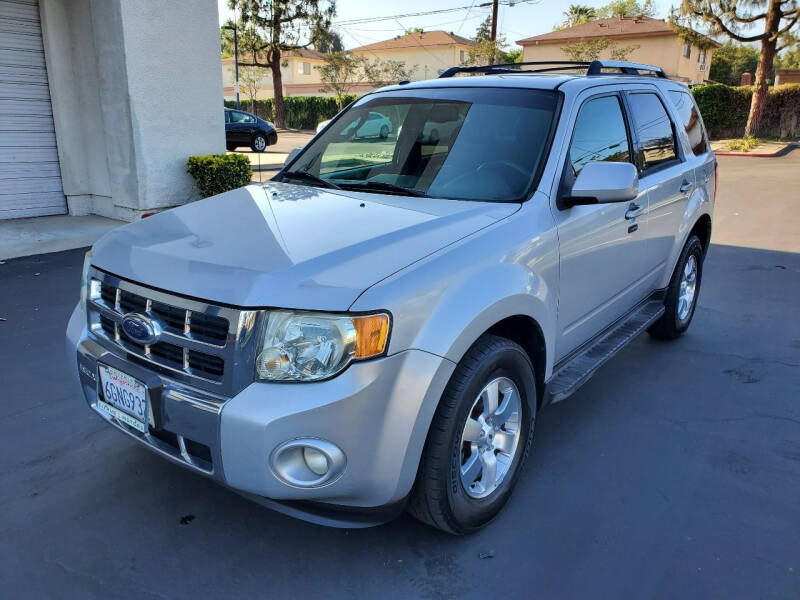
(300, 346)
(87, 262)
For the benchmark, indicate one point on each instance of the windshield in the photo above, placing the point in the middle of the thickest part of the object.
(482, 144)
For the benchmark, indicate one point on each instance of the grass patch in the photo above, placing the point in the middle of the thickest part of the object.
(745, 144)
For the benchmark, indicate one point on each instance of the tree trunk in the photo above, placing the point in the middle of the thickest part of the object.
(277, 88)
(764, 70)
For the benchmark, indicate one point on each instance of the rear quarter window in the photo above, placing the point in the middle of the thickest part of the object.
(690, 120)
(654, 129)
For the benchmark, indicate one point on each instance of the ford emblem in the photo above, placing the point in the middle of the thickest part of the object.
(140, 328)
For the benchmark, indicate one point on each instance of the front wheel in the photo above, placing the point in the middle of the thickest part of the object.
(478, 440)
(682, 293)
(259, 143)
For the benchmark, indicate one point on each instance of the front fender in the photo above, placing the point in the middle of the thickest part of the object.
(444, 303)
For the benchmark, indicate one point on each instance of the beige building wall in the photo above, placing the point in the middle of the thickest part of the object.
(665, 51)
(424, 62)
(298, 79)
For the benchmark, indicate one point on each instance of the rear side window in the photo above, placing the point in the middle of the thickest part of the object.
(600, 134)
(656, 138)
(690, 120)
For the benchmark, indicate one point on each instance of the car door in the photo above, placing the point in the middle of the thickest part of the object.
(601, 246)
(664, 175)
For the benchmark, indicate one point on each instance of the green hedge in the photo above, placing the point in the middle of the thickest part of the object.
(725, 110)
(302, 112)
(218, 173)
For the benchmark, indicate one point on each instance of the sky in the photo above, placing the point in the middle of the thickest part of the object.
(526, 18)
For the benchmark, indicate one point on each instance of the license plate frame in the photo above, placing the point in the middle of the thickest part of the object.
(124, 397)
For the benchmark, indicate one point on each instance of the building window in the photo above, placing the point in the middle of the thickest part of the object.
(687, 50)
(462, 56)
(304, 68)
(701, 56)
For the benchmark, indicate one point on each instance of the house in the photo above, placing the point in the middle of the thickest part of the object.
(298, 74)
(655, 42)
(426, 53)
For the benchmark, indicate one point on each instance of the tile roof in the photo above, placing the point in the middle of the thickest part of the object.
(614, 27)
(423, 39)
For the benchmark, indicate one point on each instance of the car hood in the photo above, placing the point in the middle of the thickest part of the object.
(284, 245)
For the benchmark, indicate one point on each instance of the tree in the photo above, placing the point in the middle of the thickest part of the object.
(736, 20)
(386, 72)
(277, 26)
(577, 14)
(513, 55)
(250, 78)
(627, 8)
(340, 73)
(589, 50)
(789, 59)
(327, 41)
(486, 51)
(730, 60)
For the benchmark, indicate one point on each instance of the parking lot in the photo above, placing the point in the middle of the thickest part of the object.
(674, 473)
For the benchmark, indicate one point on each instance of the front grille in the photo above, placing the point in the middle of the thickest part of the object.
(199, 341)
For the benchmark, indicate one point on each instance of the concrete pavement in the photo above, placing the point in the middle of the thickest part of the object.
(38, 235)
(674, 473)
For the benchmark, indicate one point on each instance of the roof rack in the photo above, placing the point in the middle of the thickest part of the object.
(627, 68)
(594, 67)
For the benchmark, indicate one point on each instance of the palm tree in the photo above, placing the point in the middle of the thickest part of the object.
(577, 14)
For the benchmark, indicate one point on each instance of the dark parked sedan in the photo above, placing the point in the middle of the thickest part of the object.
(244, 129)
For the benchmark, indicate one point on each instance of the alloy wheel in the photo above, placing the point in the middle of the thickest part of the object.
(688, 288)
(490, 437)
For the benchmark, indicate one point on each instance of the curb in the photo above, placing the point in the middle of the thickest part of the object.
(785, 150)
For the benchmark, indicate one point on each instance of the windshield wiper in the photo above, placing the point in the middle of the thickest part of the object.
(306, 176)
(380, 186)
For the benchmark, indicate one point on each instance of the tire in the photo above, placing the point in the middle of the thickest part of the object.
(231, 147)
(384, 132)
(677, 315)
(259, 143)
(442, 496)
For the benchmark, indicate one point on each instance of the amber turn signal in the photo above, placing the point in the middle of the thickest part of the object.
(372, 332)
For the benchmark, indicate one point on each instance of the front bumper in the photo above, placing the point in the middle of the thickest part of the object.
(378, 412)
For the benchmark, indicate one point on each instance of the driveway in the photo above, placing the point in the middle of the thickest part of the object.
(674, 473)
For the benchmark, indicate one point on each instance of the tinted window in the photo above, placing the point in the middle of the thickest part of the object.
(599, 135)
(690, 120)
(654, 129)
(227, 117)
(459, 143)
(240, 117)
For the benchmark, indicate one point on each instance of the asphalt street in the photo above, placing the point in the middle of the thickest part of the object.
(674, 473)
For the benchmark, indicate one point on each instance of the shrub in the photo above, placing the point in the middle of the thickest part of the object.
(218, 173)
(745, 144)
(302, 112)
(725, 110)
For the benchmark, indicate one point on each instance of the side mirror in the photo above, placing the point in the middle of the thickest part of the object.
(292, 155)
(604, 182)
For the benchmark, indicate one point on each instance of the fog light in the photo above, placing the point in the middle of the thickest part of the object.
(315, 460)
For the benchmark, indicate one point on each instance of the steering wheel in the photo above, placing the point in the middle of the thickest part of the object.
(510, 168)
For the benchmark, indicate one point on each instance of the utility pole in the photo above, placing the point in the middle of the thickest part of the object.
(495, 4)
(235, 63)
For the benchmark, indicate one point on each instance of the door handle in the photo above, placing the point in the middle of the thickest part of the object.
(634, 210)
(685, 186)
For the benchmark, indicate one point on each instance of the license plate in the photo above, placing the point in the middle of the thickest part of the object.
(125, 398)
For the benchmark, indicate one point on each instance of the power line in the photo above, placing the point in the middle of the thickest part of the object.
(433, 12)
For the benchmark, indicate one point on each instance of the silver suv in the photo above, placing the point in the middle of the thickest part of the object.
(377, 327)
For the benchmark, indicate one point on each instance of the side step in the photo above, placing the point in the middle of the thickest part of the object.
(577, 371)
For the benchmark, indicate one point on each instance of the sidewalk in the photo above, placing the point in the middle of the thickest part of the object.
(39, 235)
(273, 158)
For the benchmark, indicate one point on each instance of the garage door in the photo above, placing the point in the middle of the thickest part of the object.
(30, 179)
